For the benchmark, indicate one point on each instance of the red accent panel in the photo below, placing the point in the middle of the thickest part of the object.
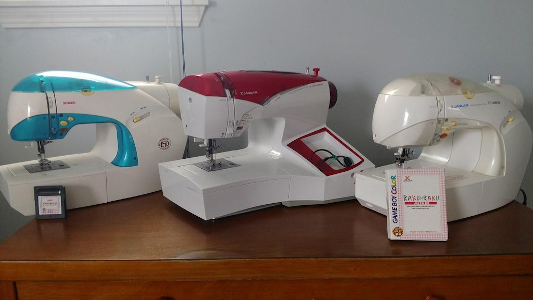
(301, 148)
(253, 86)
(207, 84)
(332, 94)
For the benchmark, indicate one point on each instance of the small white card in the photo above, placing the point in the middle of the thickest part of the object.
(49, 205)
(416, 201)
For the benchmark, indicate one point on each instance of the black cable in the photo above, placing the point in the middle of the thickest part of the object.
(323, 150)
(347, 160)
(525, 197)
(336, 158)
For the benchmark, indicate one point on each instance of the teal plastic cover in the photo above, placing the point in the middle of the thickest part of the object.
(69, 81)
(48, 127)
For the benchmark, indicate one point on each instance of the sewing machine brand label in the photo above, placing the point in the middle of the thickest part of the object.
(416, 204)
(164, 143)
(459, 105)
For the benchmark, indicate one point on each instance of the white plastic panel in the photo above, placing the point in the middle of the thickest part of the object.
(491, 158)
(203, 117)
(243, 197)
(393, 114)
(462, 156)
(432, 85)
(510, 92)
(84, 182)
(420, 134)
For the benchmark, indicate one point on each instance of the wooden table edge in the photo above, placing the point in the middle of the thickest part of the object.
(267, 269)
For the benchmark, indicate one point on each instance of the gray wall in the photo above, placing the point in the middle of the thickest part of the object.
(359, 45)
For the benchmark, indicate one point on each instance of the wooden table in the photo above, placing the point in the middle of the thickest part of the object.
(148, 248)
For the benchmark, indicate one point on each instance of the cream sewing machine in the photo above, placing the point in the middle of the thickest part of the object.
(292, 156)
(474, 131)
(136, 128)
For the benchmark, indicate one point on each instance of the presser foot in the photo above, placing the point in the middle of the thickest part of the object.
(216, 165)
(46, 166)
(402, 156)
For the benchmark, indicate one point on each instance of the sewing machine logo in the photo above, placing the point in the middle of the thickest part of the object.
(69, 102)
(164, 143)
(459, 105)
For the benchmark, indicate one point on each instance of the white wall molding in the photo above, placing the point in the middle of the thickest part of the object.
(99, 13)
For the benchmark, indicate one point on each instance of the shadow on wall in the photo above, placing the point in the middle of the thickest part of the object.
(355, 107)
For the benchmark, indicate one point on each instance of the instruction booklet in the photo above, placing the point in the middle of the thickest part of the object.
(416, 204)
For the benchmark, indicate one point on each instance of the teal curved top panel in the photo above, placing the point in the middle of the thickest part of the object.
(69, 81)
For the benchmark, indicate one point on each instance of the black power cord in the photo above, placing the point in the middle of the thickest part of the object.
(346, 161)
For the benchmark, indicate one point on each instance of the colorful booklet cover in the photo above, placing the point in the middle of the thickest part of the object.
(416, 204)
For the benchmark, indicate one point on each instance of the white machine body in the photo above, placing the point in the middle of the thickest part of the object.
(285, 114)
(474, 131)
(136, 128)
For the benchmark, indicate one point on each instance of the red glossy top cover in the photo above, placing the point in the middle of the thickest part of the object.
(253, 86)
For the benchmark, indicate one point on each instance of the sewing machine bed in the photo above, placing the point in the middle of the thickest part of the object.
(370, 184)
